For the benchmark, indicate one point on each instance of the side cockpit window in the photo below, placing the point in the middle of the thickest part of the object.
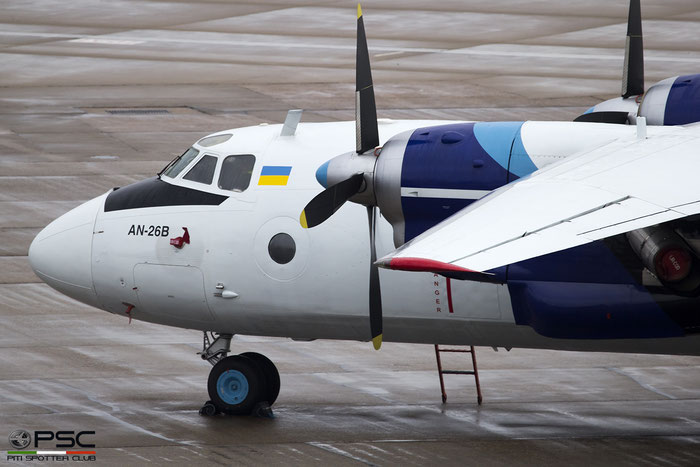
(175, 167)
(203, 171)
(236, 172)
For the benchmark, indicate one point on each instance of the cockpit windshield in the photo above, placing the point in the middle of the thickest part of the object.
(234, 174)
(203, 171)
(176, 165)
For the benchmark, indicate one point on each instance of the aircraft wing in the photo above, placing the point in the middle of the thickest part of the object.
(621, 186)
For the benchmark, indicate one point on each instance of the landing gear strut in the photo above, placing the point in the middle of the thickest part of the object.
(243, 384)
(215, 347)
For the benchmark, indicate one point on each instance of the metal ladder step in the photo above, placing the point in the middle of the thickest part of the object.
(474, 372)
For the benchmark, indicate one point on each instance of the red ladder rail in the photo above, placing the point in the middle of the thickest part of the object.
(474, 372)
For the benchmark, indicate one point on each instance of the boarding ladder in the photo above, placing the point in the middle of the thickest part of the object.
(474, 372)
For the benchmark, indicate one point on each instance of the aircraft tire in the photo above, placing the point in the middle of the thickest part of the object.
(270, 374)
(236, 385)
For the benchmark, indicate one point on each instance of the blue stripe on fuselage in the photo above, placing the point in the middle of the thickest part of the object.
(585, 293)
(592, 262)
(579, 310)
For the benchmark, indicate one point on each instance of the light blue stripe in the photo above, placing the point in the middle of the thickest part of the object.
(276, 170)
(498, 139)
(520, 162)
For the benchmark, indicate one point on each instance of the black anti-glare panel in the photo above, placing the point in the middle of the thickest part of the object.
(154, 192)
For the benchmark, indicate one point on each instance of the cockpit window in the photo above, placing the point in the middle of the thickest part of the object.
(214, 140)
(179, 163)
(236, 172)
(203, 171)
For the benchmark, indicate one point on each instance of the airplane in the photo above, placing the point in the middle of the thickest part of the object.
(233, 237)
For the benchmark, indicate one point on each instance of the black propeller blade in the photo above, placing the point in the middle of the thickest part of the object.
(329, 201)
(332, 198)
(366, 130)
(366, 134)
(633, 71)
(375, 291)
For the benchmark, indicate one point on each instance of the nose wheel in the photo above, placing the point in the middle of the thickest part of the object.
(271, 377)
(243, 384)
(235, 385)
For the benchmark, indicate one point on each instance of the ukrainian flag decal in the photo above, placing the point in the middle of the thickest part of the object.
(274, 175)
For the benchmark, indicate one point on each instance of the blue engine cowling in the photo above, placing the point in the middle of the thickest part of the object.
(426, 175)
(673, 101)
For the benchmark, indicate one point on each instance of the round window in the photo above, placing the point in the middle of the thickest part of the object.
(282, 248)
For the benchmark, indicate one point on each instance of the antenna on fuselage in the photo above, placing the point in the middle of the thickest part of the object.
(291, 122)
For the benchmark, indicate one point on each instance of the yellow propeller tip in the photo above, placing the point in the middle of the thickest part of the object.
(302, 220)
(359, 10)
(377, 342)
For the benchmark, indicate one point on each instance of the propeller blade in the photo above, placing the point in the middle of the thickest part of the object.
(375, 291)
(366, 129)
(633, 71)
(329, 201)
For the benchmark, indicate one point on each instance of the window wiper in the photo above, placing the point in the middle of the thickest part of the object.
(172, 162)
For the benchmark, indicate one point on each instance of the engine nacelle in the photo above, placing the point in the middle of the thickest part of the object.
(629, 105)
(424, 176)
(667, 256)
(673, 101)
(421, 177)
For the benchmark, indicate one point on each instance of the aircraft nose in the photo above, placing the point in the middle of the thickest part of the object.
(61, 254)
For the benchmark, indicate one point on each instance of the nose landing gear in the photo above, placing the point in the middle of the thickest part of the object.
(243, 384)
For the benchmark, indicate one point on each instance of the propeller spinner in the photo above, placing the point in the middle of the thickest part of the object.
(358, 183)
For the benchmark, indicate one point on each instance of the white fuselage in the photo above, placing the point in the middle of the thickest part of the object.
(224, 280)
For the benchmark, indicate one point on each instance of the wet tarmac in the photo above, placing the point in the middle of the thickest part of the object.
(75, 80)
